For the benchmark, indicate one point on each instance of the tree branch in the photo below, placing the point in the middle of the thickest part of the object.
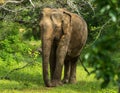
(11, 1)
(85, 1)
(6, 76)
(32, 3)
(15, 2)
(100, 31)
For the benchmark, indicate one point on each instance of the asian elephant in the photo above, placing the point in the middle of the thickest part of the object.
(63, 36)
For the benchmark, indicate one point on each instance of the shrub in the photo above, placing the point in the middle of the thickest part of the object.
(12, 44)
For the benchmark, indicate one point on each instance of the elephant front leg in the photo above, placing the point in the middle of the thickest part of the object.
(60, 57)
(62, 49)
(52, 60)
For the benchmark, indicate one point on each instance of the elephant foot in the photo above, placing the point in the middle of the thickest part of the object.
(72, 81)
(65, 81)
(55, 83)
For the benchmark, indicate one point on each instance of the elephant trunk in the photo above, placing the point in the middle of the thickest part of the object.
(46, 49)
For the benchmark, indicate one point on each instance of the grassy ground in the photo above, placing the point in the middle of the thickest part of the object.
(29, 80)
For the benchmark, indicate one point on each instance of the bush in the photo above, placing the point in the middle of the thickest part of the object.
(102, 55)
(12, 44)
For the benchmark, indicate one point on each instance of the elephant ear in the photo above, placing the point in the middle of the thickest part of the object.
(62, 19)
(66, 23)
(56, 18)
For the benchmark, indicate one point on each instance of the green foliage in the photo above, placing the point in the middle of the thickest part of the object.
(12, 44)
(109, 7)
(102, 61)
(101, 54)
(30, 18)
(104, 32)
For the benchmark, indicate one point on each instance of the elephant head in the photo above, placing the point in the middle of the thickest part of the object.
(54, 24)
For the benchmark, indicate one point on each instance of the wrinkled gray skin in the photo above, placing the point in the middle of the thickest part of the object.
(63, 36)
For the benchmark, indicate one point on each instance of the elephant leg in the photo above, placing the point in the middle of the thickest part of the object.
(62, 49)
(72, 78)
(52, 60)
(67, 65)
(60, 57)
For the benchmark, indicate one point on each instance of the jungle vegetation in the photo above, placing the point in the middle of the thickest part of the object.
(20, 42)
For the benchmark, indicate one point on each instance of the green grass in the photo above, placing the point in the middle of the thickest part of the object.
(29, 80)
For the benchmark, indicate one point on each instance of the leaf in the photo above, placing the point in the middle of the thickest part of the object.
(107, 7)
(114, 1)
(113, 16)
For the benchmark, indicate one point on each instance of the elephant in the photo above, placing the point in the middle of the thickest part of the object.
(63, 35)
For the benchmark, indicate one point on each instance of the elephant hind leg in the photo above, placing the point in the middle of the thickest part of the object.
(72, 78)
(67, 65)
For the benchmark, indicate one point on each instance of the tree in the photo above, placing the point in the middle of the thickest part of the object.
(104, 50)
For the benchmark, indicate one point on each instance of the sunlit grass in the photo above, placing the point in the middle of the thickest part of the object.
(29, 80)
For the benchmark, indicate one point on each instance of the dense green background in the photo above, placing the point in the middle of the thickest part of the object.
(20, 39)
